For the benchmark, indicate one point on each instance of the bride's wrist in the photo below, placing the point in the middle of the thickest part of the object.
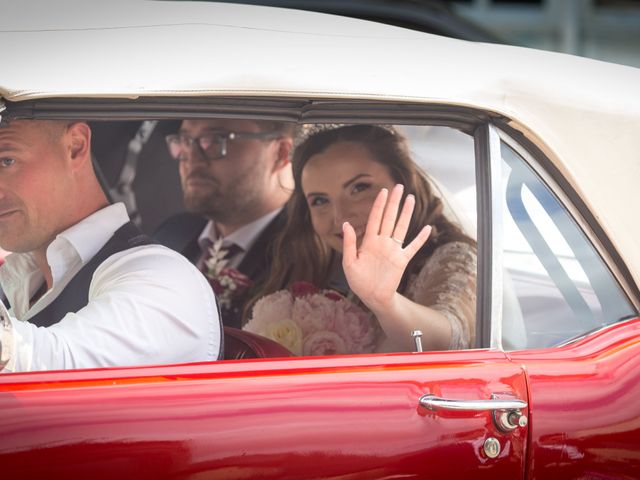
(383, 307)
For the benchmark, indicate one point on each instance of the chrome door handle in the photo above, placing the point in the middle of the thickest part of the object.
(507, 413)
(437, 403)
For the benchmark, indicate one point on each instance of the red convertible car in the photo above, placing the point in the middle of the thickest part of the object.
(538, 156)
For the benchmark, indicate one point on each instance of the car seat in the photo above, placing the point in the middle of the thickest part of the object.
(239, 345)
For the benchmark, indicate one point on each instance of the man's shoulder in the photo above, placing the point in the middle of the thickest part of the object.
(152, 283)
(152, 256)
(151, 266)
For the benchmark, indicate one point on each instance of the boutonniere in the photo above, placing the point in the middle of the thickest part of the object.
(227, 283)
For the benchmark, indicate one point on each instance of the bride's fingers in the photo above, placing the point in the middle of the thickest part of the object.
(391, 211)
(400, 232)
(375, 216)
(418, 242)
(349, 248)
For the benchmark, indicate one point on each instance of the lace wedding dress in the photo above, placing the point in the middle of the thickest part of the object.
(447, 283)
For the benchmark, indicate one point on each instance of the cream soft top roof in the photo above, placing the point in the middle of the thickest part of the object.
(583, 113)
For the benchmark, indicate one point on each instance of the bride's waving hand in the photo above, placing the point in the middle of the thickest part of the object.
(375, 268)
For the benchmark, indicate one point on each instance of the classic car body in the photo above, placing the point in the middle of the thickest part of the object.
(551, 389)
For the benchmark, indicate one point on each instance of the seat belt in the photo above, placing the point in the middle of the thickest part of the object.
(123, 189)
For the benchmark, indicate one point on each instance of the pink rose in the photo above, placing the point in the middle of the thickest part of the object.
(323, 343)
(356, 326)
(314, 313)
(310, 321)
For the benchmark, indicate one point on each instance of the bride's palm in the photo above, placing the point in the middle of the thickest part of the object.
(375, 269)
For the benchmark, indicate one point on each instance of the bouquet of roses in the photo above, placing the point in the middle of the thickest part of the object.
(310, 321)
(227, 283)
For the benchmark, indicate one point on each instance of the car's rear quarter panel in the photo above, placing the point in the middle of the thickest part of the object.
(584, 406)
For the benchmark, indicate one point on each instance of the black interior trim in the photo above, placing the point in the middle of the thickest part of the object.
(484, 283)
(304, 110)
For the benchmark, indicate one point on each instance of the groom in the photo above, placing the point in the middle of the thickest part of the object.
(236, 178)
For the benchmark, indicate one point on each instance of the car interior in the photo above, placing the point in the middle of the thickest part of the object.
(549, 265)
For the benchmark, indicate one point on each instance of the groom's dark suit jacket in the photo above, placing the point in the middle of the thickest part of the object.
(180, 233)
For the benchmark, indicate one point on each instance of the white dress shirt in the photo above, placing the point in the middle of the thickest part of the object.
(244, 237)
(147, 305)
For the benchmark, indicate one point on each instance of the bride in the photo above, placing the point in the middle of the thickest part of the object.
(363, 211)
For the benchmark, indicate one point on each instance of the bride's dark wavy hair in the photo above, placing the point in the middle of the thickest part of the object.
(300, 255)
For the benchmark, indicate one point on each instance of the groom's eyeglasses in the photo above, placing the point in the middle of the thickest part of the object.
(212, 146)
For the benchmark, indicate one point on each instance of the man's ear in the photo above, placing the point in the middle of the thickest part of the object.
(79, 143)
(284, 146)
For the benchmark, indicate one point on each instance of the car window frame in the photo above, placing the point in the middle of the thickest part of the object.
(487, 128)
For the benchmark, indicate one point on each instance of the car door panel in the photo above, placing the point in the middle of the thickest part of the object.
(582, 397)
(352, 417)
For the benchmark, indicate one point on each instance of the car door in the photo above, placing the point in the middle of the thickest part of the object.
(420, 415)
(452, 414)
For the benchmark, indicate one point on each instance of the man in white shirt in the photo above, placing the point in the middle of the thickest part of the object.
(86, 289)
(236, 178)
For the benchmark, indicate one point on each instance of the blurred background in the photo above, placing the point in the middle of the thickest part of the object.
(603, 29)
(606, 30)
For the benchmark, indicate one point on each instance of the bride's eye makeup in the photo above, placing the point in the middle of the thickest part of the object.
(360, 187)
(316, 201)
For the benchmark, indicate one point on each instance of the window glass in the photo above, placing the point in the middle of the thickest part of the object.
(447, 156)
(136, 165)
(556, 285)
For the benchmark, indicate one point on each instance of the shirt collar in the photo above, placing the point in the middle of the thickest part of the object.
(89, 235)
(72, 248)
(244, 237)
